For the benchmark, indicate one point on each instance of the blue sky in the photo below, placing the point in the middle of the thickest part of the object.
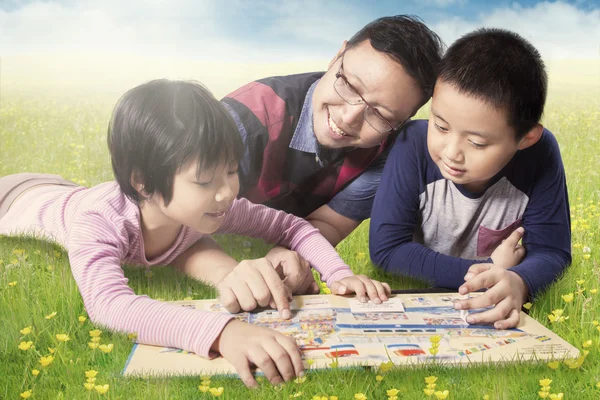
(273, 31)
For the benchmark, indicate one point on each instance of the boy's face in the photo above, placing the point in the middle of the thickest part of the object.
(380, 80)
(201, 203)
(469, 140)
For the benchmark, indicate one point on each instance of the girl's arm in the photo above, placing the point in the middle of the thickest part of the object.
(96, 249)
(206, 261)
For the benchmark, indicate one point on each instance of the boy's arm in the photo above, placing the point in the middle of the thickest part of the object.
(394, 217)
(546, 220)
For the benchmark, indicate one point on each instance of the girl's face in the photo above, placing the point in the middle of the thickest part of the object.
(201, 202)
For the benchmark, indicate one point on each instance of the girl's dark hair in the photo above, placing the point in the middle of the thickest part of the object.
(502, 69)
(410, 42)
(158, 127)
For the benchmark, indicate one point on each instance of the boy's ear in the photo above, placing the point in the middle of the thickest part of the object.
(531, 137)
(338, 55)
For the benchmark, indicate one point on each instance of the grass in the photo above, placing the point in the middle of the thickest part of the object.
(64, 134)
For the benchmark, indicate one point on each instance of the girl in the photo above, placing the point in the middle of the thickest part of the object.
(175, 154)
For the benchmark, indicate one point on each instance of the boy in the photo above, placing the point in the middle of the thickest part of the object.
(454, 188)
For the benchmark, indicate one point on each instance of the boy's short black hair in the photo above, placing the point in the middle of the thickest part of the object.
(158, 127)
(502, 69)
(410, 42)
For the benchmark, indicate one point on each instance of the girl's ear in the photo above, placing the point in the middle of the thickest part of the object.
(531, 137)
(137, 182)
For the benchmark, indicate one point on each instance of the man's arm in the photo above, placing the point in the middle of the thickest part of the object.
(205, 261)
(334, 226)
(352, 205)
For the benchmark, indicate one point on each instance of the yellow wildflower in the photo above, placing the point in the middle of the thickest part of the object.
(567, 297)
(586, 256)
(89, 385)
(205, 382)
(545, 382)
(26, 330)
(556, 396)
(132, 336)
(91, 380)
(300, 379)
(333, 398)
(379, 378)
(51, 315)
(51, 350)
(575, 363)
(188, 298)
(101, 389)
(81, 319)
(26, 394)
(317, 397)
(63, 337)
(360, 396)
(580, 281)
(435, 339)
(35, 372)
(106, 348)
(431, 385)
(386, 366)
(12, 284)
(433, 351)
(95, 333)
(297, 394)
(310, 362)
(392, 392)
(93, 345)
(25, 345)
(333, 364)
(428, 392)
(203, 388)
(431, 379)
(553, 364)
(96, 339)
(91, 373)
(543, 394)
(45, 361)
(216, 391)
(326, 290)
(545, 389)
(587, 343)
(393, 398)
(595, 323)
(593, 291)
(526, 306)
(442, 395)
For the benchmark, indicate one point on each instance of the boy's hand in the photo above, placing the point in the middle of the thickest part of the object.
(506, 292)
(254, 283)
(362, 285)
(509, 253)
(297, 273)
(243, 345)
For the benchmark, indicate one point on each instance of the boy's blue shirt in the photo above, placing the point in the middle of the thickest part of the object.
(425, 226)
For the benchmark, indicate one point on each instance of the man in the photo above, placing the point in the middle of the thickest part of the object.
(315, 143)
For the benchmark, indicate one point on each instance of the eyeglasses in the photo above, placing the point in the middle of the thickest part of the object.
(349, 94)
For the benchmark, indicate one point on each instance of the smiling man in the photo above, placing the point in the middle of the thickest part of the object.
(315, 143)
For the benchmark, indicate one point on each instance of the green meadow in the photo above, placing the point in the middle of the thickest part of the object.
(47, 125)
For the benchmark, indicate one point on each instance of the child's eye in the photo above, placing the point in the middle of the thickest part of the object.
(440, 128)
(203, 184)
(233, 172)
(477, 145)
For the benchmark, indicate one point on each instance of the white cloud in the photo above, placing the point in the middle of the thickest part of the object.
(558, 30)
(193, 29)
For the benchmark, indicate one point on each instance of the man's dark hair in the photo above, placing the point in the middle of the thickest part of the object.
(410, 42)
(502, 69)
(158, 127)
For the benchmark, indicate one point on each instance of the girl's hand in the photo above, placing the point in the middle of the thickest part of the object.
(254, 283)
(245, 345)
(362, 285)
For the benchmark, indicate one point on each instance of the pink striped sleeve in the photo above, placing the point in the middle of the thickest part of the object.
(256, 220)
(97, 244)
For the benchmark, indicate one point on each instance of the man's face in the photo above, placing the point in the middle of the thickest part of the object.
(469, 140)
(380, 80)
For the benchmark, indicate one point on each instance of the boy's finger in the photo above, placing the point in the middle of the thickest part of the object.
(513, 239)
(262, 359)
(388, 289)
(489, 298)
(511, 322)
(278, 291)
(381, 292)
(293, 352)
(241, 365)
(499, 312)
(476, 269)
(484, 280)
